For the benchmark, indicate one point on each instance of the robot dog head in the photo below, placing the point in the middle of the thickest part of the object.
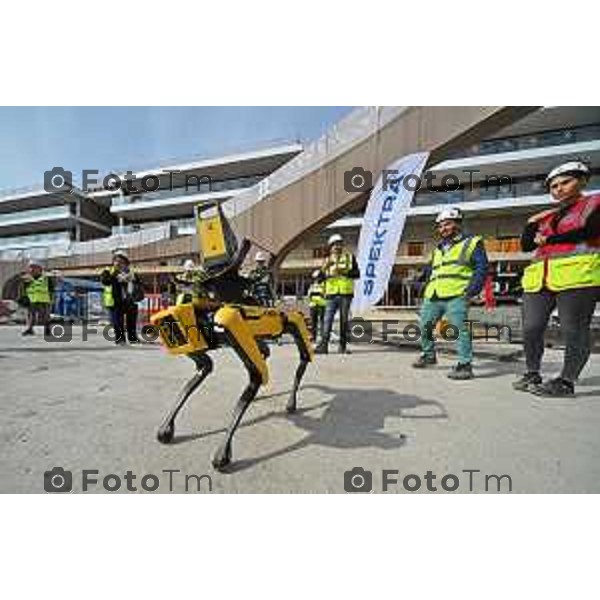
(218, 245)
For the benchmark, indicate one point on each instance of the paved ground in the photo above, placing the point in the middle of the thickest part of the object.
(89, 405)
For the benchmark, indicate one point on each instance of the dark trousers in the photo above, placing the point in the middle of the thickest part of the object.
(37, 314)
(124, 319)
(334, 303)
(575, 310)
(317, 320)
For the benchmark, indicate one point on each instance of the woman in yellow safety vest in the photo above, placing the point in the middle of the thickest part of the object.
(564, 272)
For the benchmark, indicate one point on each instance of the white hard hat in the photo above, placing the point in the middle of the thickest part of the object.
(336, 237)
(315, 273)
(189, 265)
(121, 253)
(260, 257)
(574, 167)
(451, 213)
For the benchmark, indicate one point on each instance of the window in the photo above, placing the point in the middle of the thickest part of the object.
(416, 248)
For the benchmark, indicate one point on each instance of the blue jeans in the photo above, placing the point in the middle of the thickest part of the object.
(456, 311)
(334, 303)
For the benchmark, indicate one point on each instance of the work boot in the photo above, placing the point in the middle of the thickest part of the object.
(461, 371)
(344, 350)
(322, 349)
(555, 388)
(424, 361)
(28, 332)
(527, 382)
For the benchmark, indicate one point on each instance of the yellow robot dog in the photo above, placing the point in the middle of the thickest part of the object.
(230, 315)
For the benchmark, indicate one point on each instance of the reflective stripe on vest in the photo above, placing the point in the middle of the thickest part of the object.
(38, 290)
(336, 270)
(315, 295)
(451, 271)
(184, 298)
(563, 272)
(108, 300)
(565, 266)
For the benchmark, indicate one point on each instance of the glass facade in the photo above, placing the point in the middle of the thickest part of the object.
(493, 192)
(39, 214)
(202, 185)
(185, 226)
(40, 239)
(531, 141)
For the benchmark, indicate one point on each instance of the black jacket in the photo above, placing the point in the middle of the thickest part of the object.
(119, 289)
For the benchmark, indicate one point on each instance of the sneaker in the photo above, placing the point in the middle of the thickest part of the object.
(555, 388)
(344, 351)
(461, 371)
(27, 332)
(424, 361)
(527, 382)
(321, 349)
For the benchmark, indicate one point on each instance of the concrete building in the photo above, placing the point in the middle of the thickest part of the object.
(490, 161)
(40, 224)
(501, 183)
(33, 220)
(180, 187)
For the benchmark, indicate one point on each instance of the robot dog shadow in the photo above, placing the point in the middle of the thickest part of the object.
(351, 419)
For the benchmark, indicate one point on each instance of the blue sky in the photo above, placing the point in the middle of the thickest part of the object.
(35, 139)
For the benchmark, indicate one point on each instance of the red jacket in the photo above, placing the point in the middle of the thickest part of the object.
(575, 218)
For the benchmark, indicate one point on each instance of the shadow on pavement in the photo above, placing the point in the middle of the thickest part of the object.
(593, 380)
(58, 347)
(351, 419)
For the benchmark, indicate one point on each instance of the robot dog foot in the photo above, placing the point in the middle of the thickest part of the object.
(222, 458)
(165, 433)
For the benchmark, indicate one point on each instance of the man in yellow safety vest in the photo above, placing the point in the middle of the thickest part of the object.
(122, 291)
(317, 304)
(339, 271)
(38, 290)
(187, 286)
(457, 272)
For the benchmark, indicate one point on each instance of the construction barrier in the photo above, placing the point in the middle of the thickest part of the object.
(150, 305)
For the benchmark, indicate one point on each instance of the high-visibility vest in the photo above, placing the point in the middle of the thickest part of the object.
(108, 300)
(315, 295)
(565, 266)
(336, 269)
(187, 287)
(262, 289)
(451, 269)
(38, 290)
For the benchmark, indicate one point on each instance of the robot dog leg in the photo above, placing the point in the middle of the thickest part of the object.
(204, 366)
(296, 326)
(242, 340)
